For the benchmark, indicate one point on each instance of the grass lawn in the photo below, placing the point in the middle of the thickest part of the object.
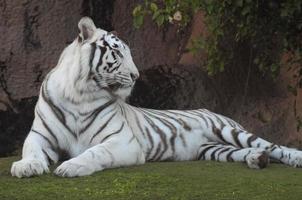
(200, 180)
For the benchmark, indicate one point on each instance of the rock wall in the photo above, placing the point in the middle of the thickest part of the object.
(32, 35)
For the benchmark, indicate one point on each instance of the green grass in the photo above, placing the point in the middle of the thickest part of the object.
(168, 180)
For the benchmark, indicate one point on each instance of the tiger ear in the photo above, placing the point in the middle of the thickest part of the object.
(86, 28)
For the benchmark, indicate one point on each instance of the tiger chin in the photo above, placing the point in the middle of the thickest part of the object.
(82, 112)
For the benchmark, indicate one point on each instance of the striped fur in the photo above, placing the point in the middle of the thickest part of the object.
(81, 116)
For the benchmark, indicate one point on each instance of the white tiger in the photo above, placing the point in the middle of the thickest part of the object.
(81, 113)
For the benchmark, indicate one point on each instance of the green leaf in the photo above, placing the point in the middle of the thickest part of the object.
(160, 20)
(138, 21)
(137, 10)
(153, 7)
(274, 68)
(155, 15)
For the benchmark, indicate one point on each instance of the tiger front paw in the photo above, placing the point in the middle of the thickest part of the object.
(29, 167)
(72, 168)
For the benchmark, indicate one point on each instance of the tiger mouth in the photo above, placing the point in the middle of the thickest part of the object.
(117, 86)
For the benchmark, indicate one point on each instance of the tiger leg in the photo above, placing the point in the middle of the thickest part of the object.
(243, 139)
(35, 156)
(254, 157)
(114, 152)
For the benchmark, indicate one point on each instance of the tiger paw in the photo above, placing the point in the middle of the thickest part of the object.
(29, 167)
(71, 168)
(257, 160)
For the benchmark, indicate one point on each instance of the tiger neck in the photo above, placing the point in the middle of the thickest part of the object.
(78, 105)
(69, 79)
(68, 93)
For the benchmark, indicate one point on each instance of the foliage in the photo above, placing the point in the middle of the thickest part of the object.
(165, 180)
(167, 11)
(269, 28)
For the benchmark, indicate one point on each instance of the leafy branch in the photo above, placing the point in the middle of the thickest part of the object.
(271, 28)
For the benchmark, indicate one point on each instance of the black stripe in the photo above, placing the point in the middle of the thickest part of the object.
(124, 113)
(224, 150)
(55, 109)
(282, 154)
(98, 110)
(91, 57)
(184, 143)
(214, 152)
(269, 147)
(232, 123)
(204, 151)
(177, 120)
(150, 140)
(203, 115)
(217, 132)
(211, 143)
(185, 125)
(52, 146)
(244, 158)
(100, 63)
(58, 113)
(110, 65)
(94, 114)
(156, 153)
(111, 156)
(46, 155)
(92, 54)
(235, 135)
(159, 132)
(102, 127)
(251, 139)
(168, 124)
(199, 115)
(181, 114)
(115, 68)
(116, 132)
(228, 156)
(215, 116)
(70, 113)
(138, 124)
(273, 149)
(132, 138)
(47, 127)
(113, 55)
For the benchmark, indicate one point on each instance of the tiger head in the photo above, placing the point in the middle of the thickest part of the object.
(105, 61)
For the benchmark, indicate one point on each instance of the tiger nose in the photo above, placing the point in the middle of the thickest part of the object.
(134, 76)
